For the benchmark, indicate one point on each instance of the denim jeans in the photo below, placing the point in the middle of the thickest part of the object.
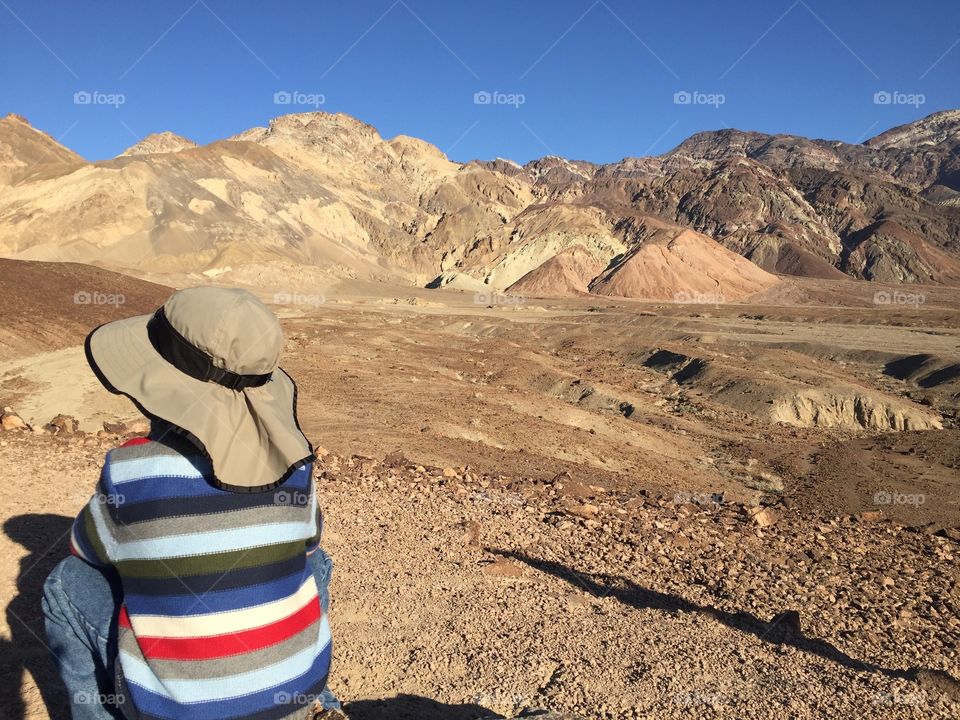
(81, 604)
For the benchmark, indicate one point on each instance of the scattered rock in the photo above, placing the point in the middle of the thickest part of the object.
(131, 427)
(139, 427)
(63, 425)
(765, 517)
(12, 421)
(586, 511)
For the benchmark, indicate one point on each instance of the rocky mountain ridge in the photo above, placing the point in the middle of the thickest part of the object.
(323, 197)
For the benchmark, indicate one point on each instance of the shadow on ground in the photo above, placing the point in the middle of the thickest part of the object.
(784, 629)
(414, 707)
(45, 537)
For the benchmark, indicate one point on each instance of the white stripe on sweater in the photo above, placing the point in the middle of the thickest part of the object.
(223, 623)
(137, 671)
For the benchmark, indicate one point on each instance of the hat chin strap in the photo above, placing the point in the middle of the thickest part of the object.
(191, 360)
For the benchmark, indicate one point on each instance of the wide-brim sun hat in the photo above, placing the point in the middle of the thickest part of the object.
(206, 363)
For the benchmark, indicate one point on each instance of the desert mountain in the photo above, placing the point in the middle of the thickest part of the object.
(319, 197)
(22, 148)
(164, 142)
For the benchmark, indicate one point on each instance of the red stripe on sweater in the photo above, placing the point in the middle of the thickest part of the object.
(218, 646)
(136, 441)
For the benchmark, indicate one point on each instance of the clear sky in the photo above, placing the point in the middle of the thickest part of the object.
(595, 80)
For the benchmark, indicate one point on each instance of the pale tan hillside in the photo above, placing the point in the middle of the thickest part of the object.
(323, 198)
(207, 209)
(163, 142)
(23, 147)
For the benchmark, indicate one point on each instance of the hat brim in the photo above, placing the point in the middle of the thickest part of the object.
(251, 436)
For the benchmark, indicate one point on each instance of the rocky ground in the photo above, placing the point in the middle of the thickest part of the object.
(616, 510)
(459, 594)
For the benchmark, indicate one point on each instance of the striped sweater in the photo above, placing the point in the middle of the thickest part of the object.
(220, 616)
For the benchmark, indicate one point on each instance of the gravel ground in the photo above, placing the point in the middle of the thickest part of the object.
(458, 595)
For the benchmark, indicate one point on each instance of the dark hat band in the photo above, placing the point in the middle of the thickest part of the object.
(191, 360)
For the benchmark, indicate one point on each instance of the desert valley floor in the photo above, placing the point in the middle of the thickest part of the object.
(616, 509)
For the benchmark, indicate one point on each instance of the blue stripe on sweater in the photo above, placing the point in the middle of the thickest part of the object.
(154, 703)
(223, 599)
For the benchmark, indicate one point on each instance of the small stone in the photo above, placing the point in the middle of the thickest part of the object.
(765, 517)
(586, 510)
(63, 424)
(139, 427)
(503, 568)
(12, 421)
(449, 472)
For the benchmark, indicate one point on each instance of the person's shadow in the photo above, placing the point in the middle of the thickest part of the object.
(784, 629)
(45, 537)
(415, 707)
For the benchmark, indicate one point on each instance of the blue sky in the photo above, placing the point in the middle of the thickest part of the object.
(584, 79)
